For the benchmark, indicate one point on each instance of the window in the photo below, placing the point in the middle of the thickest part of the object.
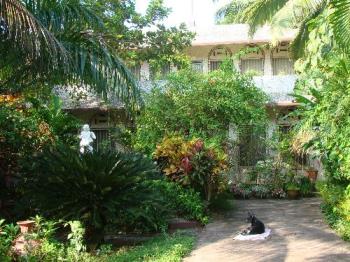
(136, 70)
(102, 138)
(165, 70)
(214, 65)
(252, 65)
(197, 66)
(282, 66)
(161, 73)
(251, 146)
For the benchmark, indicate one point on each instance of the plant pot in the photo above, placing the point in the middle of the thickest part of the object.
(293, 194)
(26, 226)
(312, 175)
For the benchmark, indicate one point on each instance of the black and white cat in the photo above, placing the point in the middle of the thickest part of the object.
(257, 227)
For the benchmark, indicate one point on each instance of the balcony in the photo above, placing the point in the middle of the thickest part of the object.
(278, 88)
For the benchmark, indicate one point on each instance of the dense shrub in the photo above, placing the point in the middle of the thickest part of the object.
(200, 105)
(99, 188)
(192, 164)
(336, 206)
(183, 202)
(28, 124)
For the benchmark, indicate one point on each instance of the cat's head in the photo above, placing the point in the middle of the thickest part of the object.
(250, 217)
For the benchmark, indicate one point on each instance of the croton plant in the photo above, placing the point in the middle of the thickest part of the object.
(191, 163)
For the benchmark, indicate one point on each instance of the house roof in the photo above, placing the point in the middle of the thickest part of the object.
(78, 97)
(237, 34)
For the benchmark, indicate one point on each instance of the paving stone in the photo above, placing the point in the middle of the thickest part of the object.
(298, 234)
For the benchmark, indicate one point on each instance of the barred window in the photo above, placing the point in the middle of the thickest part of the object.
(162, 73)
(102, 138)
(282, 66)
(136, 70)
(197, 66)
(252, 146)
(252, 65)
(214, 65)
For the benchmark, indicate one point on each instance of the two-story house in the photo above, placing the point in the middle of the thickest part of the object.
(272, 66)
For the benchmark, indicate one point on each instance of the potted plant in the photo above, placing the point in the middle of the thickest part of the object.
(293, 190)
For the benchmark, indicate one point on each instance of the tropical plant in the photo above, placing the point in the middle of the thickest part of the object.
(190, 163)
(97, 189)
(200, 105)
(64, 43)
(229, 13)
(184, 202)
(286, 14)
(27, 125)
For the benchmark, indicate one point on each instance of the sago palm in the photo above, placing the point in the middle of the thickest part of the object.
(59, 42)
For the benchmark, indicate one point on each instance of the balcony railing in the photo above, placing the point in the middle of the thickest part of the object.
(278, 88)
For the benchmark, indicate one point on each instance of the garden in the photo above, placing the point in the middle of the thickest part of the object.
(178, 159)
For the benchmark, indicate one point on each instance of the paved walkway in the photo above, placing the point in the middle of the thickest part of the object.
(298, 234)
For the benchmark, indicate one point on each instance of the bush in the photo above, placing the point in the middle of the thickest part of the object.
(98, 188)
(8, 233)
(336, 206)
(184, 202)
(199, 105)
(190, 163)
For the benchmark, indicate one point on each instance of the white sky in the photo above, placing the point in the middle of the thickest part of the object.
(188, 11)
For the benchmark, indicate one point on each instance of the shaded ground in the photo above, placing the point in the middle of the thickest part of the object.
(298, 234)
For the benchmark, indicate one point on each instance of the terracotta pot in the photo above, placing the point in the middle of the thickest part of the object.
(293, 194)
(312, 174)
(26, 226)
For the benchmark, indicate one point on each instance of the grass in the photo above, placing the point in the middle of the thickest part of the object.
(161, 249)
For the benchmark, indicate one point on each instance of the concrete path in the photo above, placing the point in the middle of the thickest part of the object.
(298, 234)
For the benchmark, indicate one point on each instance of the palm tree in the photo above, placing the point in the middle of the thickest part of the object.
(229, 13)
(59, 42)
(284, 14)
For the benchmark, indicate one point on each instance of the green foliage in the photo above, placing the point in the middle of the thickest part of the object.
(183, 202)
(336, 206)
(306, 186)
(8, 233)
(72, 48)
(162, 249)
(98, 188)
(199, 105)
(230, 13)
(133, 31)
(323, 129)
(283, 15)
(28, 124)
(191, 163)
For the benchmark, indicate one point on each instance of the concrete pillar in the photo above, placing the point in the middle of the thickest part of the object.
(145, 71)
(236, 64)
(205, 65)
(268, 70)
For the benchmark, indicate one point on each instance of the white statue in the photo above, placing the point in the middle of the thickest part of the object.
(86, 138)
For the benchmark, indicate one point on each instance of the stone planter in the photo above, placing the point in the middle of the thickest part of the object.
(26, 226)
(293, 194)
(22, 245)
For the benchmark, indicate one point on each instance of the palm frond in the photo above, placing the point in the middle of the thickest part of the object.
(261, 12)
(315, 8)
(340, 20)
(46, 29)
(22, 32)
(229, 13)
